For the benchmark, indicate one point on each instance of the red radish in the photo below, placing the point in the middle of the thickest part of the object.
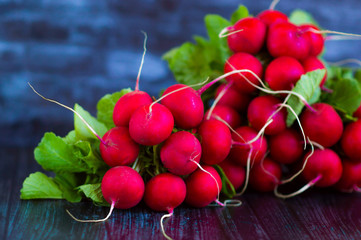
(186, 105)
(313, 63)
(351, 141)
(323, 126)
(226, 113)
(240, 61)
(216, 141)
(151, 124)
(123, 187)
(315, 39)
(283, 73)
(262, 109)
(269, 17)
(286, 39)
(351, 176)
(164, 192)
(239, 154)
(326, 165)
(250, 38)
(357, 113)
(233, 98)
(119, 148)
(265, 176)
(179, 152)
(286, 147)
(202, 188)
(235, 173)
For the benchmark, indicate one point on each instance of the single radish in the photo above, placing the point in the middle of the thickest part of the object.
(233, 98)
(283, 73)
(287, 39)
(323, 126)
(247, 35)
(239, 153)
(357, 113)
(351, 176)
(315, 39)
(269, 17)
(118, 149)
(265, 176)
(226, 113)
(235, 173)
(286, 147)
(180, 152)
(325, 165)
(262, 109)
(241, 61)
(313, 63)
(203, 187)
(122, 187)
(151, 124)
(216, 141)
(351, 141)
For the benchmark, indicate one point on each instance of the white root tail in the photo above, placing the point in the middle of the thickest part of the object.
(95, 220)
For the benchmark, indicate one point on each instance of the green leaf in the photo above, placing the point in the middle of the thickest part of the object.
(68, 182)
(71, 137)
(308, 87)
(94, 192)
(299, 17)
(240, 13)
(82, 131)
(106, 106)
(87, 154)
(40, 186)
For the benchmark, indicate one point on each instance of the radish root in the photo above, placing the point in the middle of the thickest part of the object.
(273, 4)
(142, 62)
(161, 224)
(301, 190)
(93, 221)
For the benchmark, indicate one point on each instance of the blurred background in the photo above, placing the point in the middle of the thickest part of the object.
(76, 51)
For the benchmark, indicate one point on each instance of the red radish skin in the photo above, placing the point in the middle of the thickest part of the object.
(233, 98)
(351, 176)
(164, 192)
(126, 106)
(122, 186)
(178, 152)
(151, 124)
(316, 40)
(351, 141)
(286, 147)
(226, 113)
(216, 141)
(186, 106)
(251, 37)
(202, 188)
(324, 126)
(286, 39)
(283, 73)
(325, 163)
(119, 148)
(264, 177)
(357, 113)
(239, 154)
(244, 61)
(261, 109)
(269, 17)
(313, 63)
(235, 173)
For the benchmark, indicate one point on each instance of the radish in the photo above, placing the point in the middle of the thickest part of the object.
(313, 63)
(269, 17)
(247, 35)
(265, 176)
(180, 152)
(216, 141)
(315, 127)
(316, 40)
(235, 173)
(351, 176)
(241, 61)
(151, 124)
(202, 187)
(262, 109)
(118, 149)
(226, 113)
(286, 147)
(233, 98)
(351, 141)
(283, 73)
(286, 39)
(357, 113)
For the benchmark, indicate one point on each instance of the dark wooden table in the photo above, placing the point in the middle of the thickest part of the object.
(317, 214)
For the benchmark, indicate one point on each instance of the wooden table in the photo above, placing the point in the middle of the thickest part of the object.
(317, 214)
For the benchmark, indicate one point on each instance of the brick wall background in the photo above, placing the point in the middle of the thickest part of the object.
(79, 50)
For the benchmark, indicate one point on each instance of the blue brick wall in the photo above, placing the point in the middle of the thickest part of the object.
(79, 50)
